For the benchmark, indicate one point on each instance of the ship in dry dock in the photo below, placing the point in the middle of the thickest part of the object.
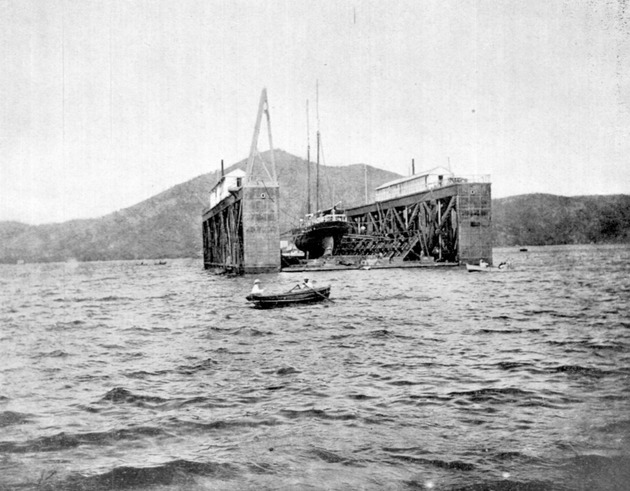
(433, 218)
(320, 234)
(430, 219)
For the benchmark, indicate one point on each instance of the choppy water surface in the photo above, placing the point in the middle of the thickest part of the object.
(117, 375)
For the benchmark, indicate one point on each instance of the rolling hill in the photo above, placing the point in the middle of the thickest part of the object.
(168, 225)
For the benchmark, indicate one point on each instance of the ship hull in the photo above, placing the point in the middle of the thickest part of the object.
(320, 239)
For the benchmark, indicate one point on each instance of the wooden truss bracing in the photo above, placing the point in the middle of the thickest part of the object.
(406, 229)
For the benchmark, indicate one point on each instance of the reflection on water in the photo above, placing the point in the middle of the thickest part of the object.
(118, 375)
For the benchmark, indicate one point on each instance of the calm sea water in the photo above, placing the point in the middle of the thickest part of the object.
(117, 375)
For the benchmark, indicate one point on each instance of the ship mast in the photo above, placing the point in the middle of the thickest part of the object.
(318, 145)
(308, 163)
(365, 182)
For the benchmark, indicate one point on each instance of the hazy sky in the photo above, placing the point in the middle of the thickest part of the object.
(106, 103)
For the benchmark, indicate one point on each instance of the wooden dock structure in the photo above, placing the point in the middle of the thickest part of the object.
(450, 223)
(433, 219)
(447, 224)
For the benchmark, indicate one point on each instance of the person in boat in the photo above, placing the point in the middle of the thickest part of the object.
(483, 264)
(302, 286)
(256, 290)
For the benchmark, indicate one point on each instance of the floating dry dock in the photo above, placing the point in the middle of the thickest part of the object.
(449, 222)
(412, 225)
(444, 226)
(427, 220)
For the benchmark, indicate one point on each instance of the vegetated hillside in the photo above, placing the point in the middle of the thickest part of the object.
(168, 225)
(545, 219)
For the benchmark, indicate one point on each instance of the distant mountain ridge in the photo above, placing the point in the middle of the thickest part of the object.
(168, 225)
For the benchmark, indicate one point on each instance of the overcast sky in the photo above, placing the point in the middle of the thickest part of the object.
(106, 103)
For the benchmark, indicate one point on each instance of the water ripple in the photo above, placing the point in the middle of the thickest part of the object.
(116, 376)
